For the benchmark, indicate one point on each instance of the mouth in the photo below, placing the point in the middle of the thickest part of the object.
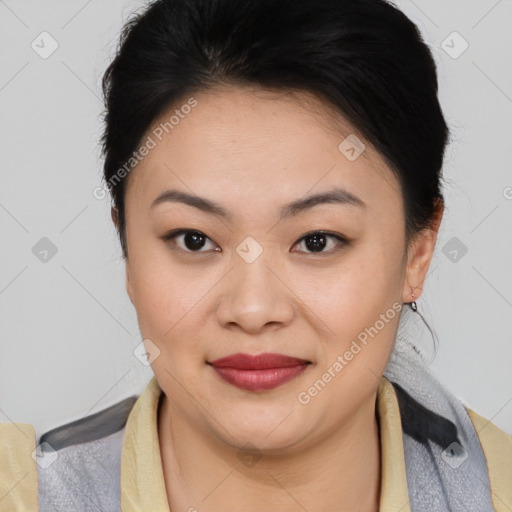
(259, 372)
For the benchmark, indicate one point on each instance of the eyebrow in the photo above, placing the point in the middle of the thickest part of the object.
(334, 196)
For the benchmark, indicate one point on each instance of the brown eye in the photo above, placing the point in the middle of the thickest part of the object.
(190, 239)
(317, 241)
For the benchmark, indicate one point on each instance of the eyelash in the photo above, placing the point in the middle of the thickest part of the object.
(342, 240)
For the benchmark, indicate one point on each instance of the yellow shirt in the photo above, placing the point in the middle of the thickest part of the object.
(142, 480)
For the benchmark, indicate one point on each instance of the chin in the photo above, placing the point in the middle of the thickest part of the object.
(268, 429)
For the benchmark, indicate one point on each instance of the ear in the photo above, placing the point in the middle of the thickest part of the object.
(420, 254)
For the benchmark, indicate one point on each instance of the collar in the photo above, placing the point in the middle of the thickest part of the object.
(142, 479)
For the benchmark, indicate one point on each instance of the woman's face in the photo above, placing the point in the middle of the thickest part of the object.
(253, 281)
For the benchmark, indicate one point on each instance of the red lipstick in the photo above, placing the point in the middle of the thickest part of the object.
(260, 372)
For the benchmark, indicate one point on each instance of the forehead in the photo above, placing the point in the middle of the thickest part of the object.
(243, 140)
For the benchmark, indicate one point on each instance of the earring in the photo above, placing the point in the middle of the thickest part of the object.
(414, 307)
(412, 304)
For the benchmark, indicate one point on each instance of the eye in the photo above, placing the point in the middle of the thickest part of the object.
(317, 241)
(191, 239)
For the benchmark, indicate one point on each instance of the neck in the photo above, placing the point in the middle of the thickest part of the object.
(340, 472)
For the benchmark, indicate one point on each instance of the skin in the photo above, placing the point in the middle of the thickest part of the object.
(252, 151)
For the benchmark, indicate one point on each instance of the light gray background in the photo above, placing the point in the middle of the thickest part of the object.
(68, 329)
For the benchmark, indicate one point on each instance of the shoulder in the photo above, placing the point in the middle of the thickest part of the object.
(81, 476)
(18, 474)
(497, 447)
(435, 428)
(80, 461)
(75, 466)
(496, 443)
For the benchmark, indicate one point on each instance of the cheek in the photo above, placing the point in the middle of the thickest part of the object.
(359, 309)
(170, 300)
(159, 296)
(354, 292)
(362, 315)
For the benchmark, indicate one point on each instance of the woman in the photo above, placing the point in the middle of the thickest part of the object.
(275, 169)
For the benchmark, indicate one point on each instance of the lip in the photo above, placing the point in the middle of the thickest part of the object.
(258, 372)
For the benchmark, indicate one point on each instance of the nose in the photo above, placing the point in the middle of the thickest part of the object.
(255, 297)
